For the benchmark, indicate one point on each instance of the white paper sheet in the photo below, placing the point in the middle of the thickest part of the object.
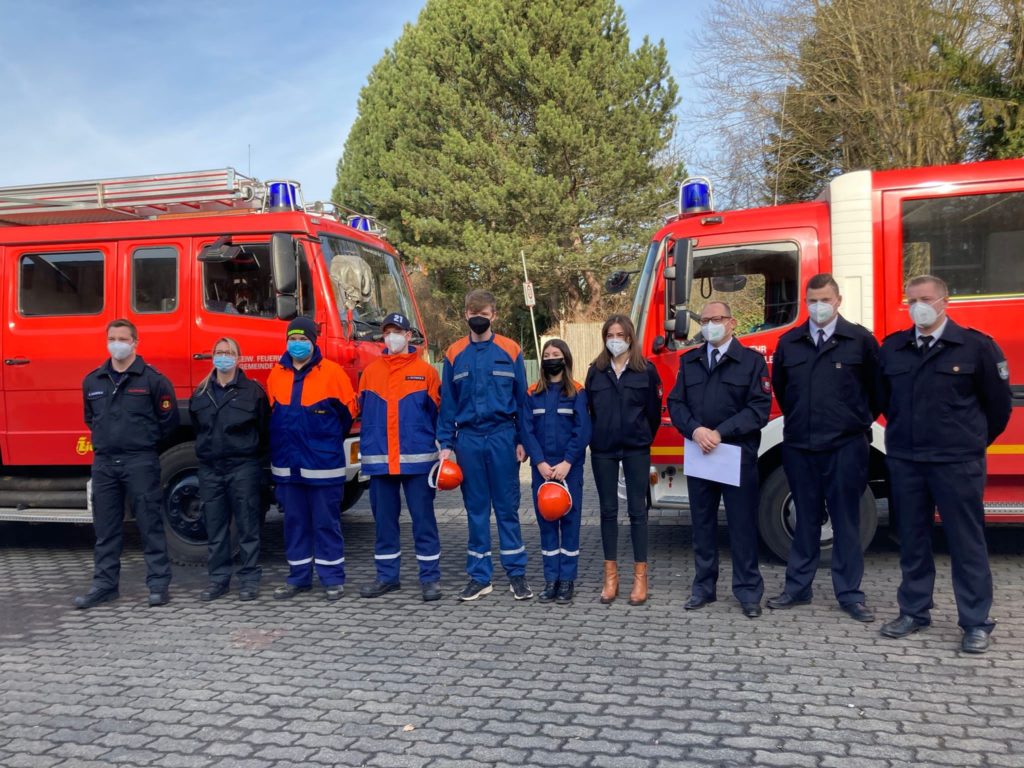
(721, 465)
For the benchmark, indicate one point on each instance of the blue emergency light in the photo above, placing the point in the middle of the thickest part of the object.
(360, 222)
(283, 196)
(695, 196)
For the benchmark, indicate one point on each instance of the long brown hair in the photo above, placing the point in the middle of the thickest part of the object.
(636, 359)
(205, 383)
(568, 385)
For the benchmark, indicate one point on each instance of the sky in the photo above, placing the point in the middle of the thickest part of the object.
(124, 88)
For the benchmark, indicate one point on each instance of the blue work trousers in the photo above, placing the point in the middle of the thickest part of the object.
(560, 540)
(956, 488)
(386, 502)
(312, 532)
(834, 479)
(741, 513)
(491, 478)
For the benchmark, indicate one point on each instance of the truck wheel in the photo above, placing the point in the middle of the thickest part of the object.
(184, 525)
(353, 492)
(776, 518)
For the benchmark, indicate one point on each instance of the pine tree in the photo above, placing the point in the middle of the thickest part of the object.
(499, 126)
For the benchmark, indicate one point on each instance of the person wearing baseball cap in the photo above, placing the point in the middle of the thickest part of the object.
(313, 406)
(404, 389)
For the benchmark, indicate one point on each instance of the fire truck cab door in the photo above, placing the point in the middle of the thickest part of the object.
(57, 302)
(151, 278)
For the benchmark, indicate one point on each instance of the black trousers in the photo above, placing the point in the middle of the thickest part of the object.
(741, 514)
(835, 478)
(636, 468)
(956, 488)
(232, 492)
(135, 479)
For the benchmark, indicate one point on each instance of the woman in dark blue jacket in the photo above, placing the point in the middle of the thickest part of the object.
(555, 436)
(624, 394)
(231, 418)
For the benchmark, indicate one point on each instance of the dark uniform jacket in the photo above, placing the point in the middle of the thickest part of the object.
(131, 416)
(625, 411)
(735, 398)
(948, 404)
(233, 425)
(827, 397)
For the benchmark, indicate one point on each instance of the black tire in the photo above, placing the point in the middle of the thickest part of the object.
(776, 516)
(353, 492)
(184, 524)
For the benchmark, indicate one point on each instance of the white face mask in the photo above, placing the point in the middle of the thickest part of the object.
(713, 332)
(923, 314)
(617, 347)
(119, 350)
(821, 312)
(396, 343)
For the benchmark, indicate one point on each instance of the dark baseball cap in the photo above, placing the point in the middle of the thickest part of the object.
(397, 320)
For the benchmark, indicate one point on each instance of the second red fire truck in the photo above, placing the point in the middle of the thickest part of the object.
(872, 231)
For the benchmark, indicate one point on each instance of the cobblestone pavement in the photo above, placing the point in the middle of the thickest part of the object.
(396, 682)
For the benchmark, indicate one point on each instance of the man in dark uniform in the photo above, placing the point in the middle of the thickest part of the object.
(723, 395)
(948, 399)
(827, 380)
(129, 407)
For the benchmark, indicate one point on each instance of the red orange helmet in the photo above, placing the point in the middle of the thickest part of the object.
(553, 500)
(445, 475)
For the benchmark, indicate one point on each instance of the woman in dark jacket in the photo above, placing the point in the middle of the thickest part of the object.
(231, 418)
(624, 397)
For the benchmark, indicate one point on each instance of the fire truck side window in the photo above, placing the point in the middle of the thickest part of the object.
(60, 283)
(242, 286)
(973, 242)
(759, 281)
(155, 279)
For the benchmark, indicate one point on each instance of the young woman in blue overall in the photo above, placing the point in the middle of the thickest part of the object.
(555, 436)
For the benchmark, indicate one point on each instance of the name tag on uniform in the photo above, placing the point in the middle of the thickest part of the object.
(415, 378)
(839, 365)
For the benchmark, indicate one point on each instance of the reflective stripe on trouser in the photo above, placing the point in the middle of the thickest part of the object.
(834, 480)
(491, 476)
(741, 514)
(560, 540)
(386, 502)
(312, 532)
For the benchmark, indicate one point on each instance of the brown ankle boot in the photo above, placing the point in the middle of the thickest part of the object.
(639, 594)
(611, 581)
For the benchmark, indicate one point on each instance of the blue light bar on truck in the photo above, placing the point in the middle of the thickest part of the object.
(696, 196)
(283, 196)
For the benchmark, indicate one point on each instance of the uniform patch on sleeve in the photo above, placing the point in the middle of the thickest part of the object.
(766, 385)
(1004, 369)
(165, 403)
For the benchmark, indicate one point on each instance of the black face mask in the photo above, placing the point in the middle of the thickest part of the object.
(479, 325)
(553, 366)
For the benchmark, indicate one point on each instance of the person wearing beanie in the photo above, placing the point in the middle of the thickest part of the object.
(313, 405)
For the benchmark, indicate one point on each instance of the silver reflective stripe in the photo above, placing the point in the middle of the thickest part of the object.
(339, 561)
(538, 410)
(318, 474)
(375, 459)
(307, 561)
(567, 553)
(566, 410)
(503, 373)
(413, 457)
(551, 553)
(478, 554)
(280, 471)
(429, 557)
(458, 376)
(388, 557)
(513, 551)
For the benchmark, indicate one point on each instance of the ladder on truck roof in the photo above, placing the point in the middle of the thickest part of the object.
(130, 197)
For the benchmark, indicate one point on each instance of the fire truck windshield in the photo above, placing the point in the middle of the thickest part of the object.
(369, 282)
(641, 299)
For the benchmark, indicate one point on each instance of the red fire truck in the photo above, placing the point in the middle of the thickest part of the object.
(872, 231)
(189, 258)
